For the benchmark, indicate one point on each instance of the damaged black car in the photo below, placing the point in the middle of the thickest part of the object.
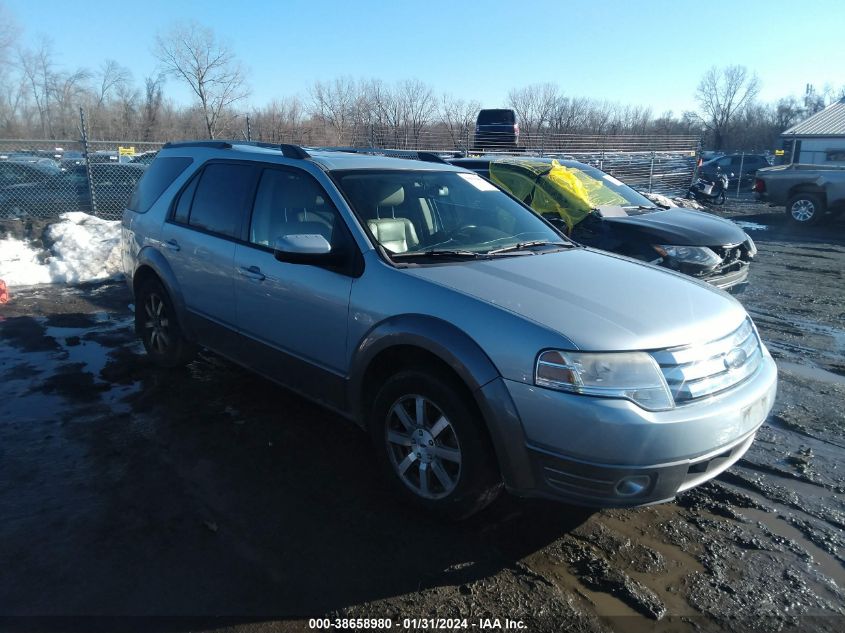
(600, 211)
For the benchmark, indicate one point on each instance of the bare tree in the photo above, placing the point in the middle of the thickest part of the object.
(534, 106)
(195, 55)
(722, 94)
(37, 68)
(9, 32)
(151, 107)
(112, 77)
(457, 116)
(419, 105)
(67, 90)
(332, 101)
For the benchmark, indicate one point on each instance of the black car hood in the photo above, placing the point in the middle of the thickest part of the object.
(681, 227)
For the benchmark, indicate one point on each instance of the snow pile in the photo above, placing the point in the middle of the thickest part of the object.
(677, 201)
(20, 264)
(750, 226)
(84, 248)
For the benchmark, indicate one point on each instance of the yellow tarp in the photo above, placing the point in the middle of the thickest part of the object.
(553, 188)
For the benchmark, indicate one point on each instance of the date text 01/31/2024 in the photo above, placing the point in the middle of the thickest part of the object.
(414, 624)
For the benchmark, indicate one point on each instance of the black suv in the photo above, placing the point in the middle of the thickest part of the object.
(731, 164)
(496, 129)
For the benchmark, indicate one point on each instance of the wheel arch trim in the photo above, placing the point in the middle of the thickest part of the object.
(151, 259)
(440, 338)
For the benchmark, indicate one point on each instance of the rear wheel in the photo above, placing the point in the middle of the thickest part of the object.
(805, 208)
(432, 445)
(156, 321)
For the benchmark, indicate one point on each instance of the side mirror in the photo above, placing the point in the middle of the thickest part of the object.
(302, 249)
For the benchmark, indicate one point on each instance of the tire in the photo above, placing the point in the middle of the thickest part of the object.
(720, 198)
(441, 442)
(805, 209)
(156, 322)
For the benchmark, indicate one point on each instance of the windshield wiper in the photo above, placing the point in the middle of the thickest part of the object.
(439, 253)
(519, 246)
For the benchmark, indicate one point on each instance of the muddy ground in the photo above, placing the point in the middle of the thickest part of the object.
(208, 492)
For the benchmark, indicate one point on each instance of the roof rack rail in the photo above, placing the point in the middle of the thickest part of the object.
(209, 144)
(428, 157)
(293, 151)
(288, 150)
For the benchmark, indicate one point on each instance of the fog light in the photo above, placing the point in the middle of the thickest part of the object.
(632, 486)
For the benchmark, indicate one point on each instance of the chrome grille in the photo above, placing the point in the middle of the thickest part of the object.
(698, 371)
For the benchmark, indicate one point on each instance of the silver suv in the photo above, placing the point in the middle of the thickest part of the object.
(478, 346)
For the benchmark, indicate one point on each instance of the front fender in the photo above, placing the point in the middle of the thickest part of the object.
(452, 345)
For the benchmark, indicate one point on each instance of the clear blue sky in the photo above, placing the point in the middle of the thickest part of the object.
(638, 51)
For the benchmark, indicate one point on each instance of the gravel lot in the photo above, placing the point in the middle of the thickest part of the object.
(210, 492)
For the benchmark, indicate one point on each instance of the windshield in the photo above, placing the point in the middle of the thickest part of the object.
(425, 212)
(630, 199)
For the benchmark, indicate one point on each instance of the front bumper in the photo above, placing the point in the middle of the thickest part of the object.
(731, 281)
(611, 453)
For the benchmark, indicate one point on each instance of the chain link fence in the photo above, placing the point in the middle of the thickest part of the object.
(41, 178)
(46, 178)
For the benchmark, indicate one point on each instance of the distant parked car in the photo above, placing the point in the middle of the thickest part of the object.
(104, 156)
(598, 210)
(731, 165)
(20, 172)
(69, 191)
(496, 129)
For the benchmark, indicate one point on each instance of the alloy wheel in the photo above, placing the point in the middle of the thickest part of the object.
(423, 447)
(157, 323)
(803, 210)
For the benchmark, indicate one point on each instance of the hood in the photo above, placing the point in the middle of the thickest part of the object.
(681, 227)
(598, 301)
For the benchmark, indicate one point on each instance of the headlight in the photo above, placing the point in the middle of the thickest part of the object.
(752, 247)
(699, 255)
(634, 376)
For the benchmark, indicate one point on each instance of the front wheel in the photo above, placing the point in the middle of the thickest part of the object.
(805, 208)
(158, 325)
(432, 445)
(720, 198)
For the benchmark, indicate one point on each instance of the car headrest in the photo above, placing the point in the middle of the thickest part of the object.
(391, 195)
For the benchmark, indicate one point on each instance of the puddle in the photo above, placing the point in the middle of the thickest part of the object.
(811, 372)
(823, 561)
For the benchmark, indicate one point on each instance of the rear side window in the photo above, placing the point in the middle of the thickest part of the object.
(158, 177)
(490, 117)
(221, 198)
(183, 206)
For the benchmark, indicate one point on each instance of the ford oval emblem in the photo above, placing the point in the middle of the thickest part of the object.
(735, 358)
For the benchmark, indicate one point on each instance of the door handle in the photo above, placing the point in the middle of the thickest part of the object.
(173, 245)
(253, 272)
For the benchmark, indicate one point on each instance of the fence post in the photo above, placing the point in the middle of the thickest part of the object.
(248, 129)
(83, 130)
(651, 172)
(739, 176)
(698, 149)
